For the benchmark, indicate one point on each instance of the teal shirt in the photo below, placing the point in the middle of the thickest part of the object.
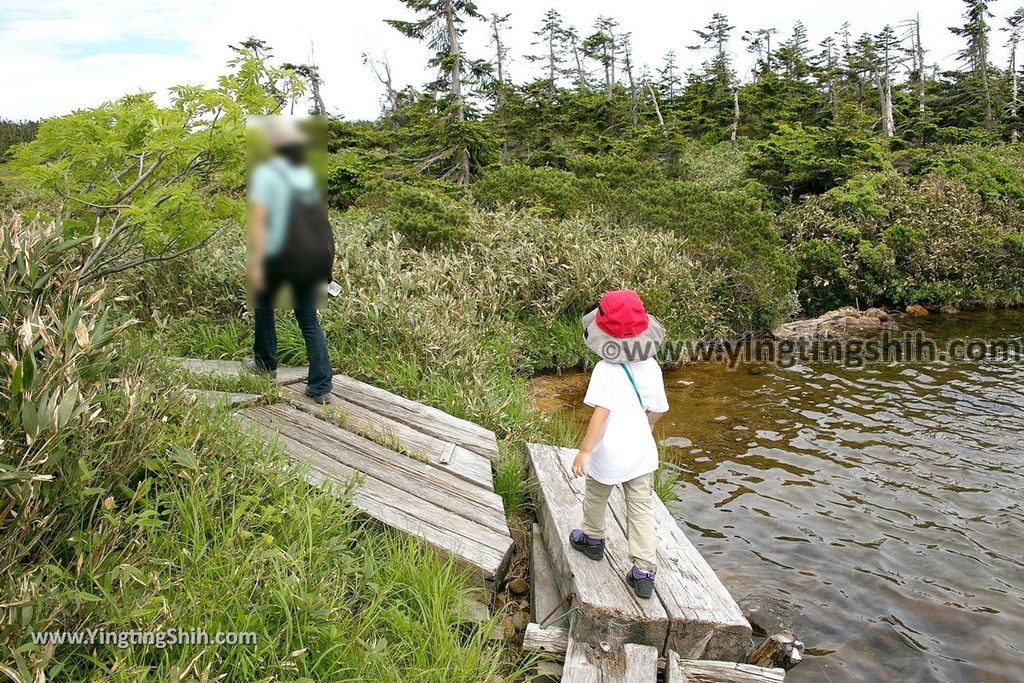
(271, 184)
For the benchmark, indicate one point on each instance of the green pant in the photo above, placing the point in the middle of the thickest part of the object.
(639, 517)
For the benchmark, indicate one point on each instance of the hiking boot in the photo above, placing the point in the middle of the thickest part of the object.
(250, 364)
(321, 399)
(591, 547)
(641, 582)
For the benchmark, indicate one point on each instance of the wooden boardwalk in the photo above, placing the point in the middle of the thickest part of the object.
(691, 616)
(415, 468)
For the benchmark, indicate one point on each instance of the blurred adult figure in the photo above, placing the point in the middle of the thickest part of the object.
(289, 243)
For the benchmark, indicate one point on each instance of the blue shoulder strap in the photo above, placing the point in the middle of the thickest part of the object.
(633, 382)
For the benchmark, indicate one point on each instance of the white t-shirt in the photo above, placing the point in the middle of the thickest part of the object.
(627, 449)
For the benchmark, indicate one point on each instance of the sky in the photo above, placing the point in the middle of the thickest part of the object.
(61, 55)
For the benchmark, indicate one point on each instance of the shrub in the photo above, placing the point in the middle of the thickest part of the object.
(550, 191)
(796, 161)
(984, 173)
(421, 213)
(936, 242)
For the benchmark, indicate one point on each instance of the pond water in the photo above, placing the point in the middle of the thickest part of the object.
(880, 510)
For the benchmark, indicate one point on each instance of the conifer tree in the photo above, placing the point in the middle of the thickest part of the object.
(759, 43)
(887, 45)
(1014, 25)
(442, 25)
(601, 46)
(552, 38)
(668, 75)
(715, 36)
(975, 31)
(498, 23)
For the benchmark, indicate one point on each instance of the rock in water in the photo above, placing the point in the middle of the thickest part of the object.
(838, 324)
(917, 311)
(769, 614)
(677, 442)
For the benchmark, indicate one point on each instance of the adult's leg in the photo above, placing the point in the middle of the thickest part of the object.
(265, 344)
(640, 524)
(319, 381)
(595, 507)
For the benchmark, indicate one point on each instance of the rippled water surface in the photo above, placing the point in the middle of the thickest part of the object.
(878, 509)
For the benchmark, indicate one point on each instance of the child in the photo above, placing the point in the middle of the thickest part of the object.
(628, 396)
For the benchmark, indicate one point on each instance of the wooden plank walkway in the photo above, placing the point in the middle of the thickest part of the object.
(412, 467)
(456, 516)
(678, 670)
(423, 418)
(445, 455)
(631, 663)
(691, 612)
(583, 662)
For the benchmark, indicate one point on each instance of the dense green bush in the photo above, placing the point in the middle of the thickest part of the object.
(548, 191)
(421, 212)
(985, 173)
(796, 161)
(888, 239)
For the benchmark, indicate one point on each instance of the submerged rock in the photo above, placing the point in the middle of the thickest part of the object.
(769, 614)
(838, 324)
(677, 442)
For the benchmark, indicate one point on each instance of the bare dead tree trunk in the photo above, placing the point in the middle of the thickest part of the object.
(990, 122)
(552, 67)
(611, 61)
(919, 54)
(386, 81)
(1014, 91)
(581, 75)
(456, 76)
(609, 72)
(498, 48)
(735, 117)
(884, 82)
(634, 98)
(657, 109)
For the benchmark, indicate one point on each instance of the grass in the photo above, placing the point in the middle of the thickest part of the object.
(234, 542)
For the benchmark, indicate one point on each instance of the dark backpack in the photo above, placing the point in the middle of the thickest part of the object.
(307, 256)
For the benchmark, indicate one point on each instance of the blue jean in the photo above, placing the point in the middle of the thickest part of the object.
(265, 345)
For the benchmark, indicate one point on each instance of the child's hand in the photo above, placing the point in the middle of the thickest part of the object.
(579, 465)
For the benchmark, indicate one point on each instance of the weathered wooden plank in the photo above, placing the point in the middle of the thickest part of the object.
(630, 663)
(706, 623)
(486, 508)
(218, 399)
(446, 532)
(233, 368)
(449, 457)
(546, 604)
(678, 670)
(424, 418)
(607, 609)
(549, 642)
